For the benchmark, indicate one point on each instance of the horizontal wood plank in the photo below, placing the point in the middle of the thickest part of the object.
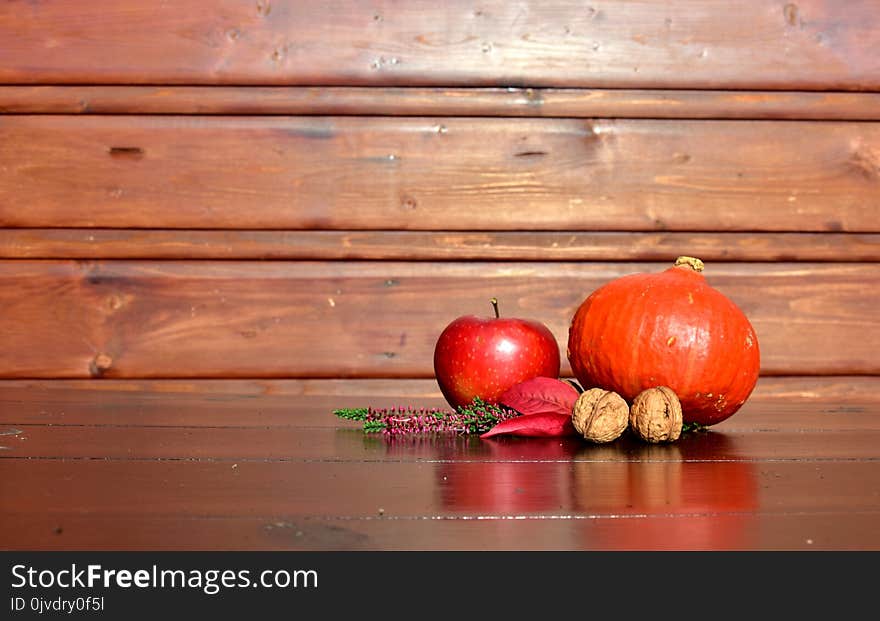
(403, 491)
(433, 245)
(831, 530)
(375, 319)
(438, 174)
(810, 44)
(414, 101)
(787, 404)
(149, 486)
(302, 444)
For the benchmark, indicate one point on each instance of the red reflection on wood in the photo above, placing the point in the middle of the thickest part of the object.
(694, 480)
(513, 477)
(697, 493)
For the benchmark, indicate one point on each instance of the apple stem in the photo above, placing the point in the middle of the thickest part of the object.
(495, 306)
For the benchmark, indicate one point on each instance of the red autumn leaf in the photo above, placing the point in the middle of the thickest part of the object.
(540, 394)
(538, 425)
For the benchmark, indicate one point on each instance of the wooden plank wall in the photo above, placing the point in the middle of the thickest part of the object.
(256, 189)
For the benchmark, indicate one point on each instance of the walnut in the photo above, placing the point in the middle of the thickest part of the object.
(600, 415)
(655, 415)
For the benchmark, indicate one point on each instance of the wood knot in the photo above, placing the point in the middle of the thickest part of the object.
(790, 11)
(866, 163)
(100, 364)
(114, 302)
(130, 153)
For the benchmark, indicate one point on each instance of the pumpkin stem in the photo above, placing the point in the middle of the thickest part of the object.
(693, 263)
(494, 302)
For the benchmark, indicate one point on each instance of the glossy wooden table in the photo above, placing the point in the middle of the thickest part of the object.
(263, 464)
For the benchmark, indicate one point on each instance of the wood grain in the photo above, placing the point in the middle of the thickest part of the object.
(701, 44)
(827, 530)
(401, 491)
(375, 319)
(414, 101)
(144, 480)
(434, 245)
(221, 221)
(785, 404)
(294, 443)
(438, 174)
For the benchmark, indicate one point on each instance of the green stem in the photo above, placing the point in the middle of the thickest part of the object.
(352, 413)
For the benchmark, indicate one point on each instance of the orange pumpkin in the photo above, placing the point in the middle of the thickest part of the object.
(667, 329)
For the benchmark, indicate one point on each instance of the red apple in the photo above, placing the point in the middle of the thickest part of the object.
(484, 356)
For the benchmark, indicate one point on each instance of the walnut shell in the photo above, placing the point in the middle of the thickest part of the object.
(655, 415)
(600, 415)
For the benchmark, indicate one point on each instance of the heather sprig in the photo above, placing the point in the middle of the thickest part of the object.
(476, 418)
